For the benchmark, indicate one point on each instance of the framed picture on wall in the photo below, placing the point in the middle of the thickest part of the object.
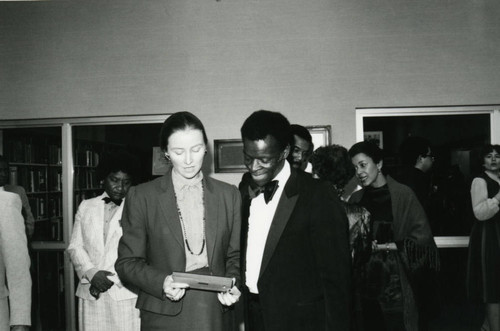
(160, 162)
(321, 135)
(375, 136)
(228, 155)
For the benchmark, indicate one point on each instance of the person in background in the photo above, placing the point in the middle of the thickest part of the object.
(15, 280)
(295, 249)
(417, 159)
(403, 246)
(301, 147)
(183, 221)
(104, 303)
(332, 164)
(29, 221)
(483, 276)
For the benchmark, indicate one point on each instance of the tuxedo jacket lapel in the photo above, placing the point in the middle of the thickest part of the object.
(211, 218)
(168, 206)
(114, 223)
(97, 220)
(281, 217)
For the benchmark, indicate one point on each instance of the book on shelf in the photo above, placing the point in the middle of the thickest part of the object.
(13, 180)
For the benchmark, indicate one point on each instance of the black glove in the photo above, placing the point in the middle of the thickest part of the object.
(101, 282)
(94, 292)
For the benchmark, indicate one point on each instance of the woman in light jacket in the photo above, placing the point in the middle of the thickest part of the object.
(104, 303)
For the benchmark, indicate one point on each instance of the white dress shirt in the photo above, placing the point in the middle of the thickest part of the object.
(259, 223)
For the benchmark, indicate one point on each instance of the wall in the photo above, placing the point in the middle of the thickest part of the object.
(315, 61)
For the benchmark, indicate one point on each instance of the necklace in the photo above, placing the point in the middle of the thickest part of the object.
(183, 226)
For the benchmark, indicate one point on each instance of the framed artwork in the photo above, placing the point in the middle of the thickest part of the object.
(228, 154)
(160, 162)
(376, 136)
(321, 135)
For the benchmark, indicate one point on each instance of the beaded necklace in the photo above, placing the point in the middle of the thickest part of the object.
(183, 226)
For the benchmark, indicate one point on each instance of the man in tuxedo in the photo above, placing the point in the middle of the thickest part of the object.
(296, 264)
(15, 280)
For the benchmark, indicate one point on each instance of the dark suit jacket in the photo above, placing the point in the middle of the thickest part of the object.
(305, 276)
(152, 245)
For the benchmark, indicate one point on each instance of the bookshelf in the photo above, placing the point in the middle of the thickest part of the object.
(36, 164)
(55, 161)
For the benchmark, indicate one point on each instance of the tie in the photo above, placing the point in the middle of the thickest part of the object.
(269, 189)
(108, 200)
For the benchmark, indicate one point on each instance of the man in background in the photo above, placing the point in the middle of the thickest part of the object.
(302, 148)
(15, 299)
(417, 159)
(29, 221)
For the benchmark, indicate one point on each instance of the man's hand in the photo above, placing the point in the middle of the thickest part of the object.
(100, 280)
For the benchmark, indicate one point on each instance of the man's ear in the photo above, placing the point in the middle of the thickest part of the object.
(286, 152)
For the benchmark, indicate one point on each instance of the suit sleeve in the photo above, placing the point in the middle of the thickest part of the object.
(233, 251)
(76, 249)
(131, 265)
(29, 220)
(331, 248)
(14, 248)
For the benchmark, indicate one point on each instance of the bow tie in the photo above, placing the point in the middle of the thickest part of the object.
(269, 189)
(116, 202)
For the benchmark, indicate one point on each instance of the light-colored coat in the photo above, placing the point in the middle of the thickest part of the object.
(88, 250)
(14, 263)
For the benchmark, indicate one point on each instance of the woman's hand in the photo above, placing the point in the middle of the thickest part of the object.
(174, 291)
(230, 297)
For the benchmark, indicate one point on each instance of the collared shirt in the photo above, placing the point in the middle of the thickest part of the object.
(109, 211)
(259, 223)
(189, 194)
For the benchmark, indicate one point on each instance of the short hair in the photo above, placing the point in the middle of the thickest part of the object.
(177, 122)
(302, 132)
(263, 123)
(332, 163)
(367, 147)
(485, 150)
(119, 160)
(412, 148)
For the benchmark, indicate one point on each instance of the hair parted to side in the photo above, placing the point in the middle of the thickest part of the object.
(263, 123)
(412, 148)
(368, 148)
(119, 160)
(177, 122)
(332, 163)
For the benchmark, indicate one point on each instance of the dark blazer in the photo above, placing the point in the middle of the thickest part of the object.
(152, 245)
(305, 276)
